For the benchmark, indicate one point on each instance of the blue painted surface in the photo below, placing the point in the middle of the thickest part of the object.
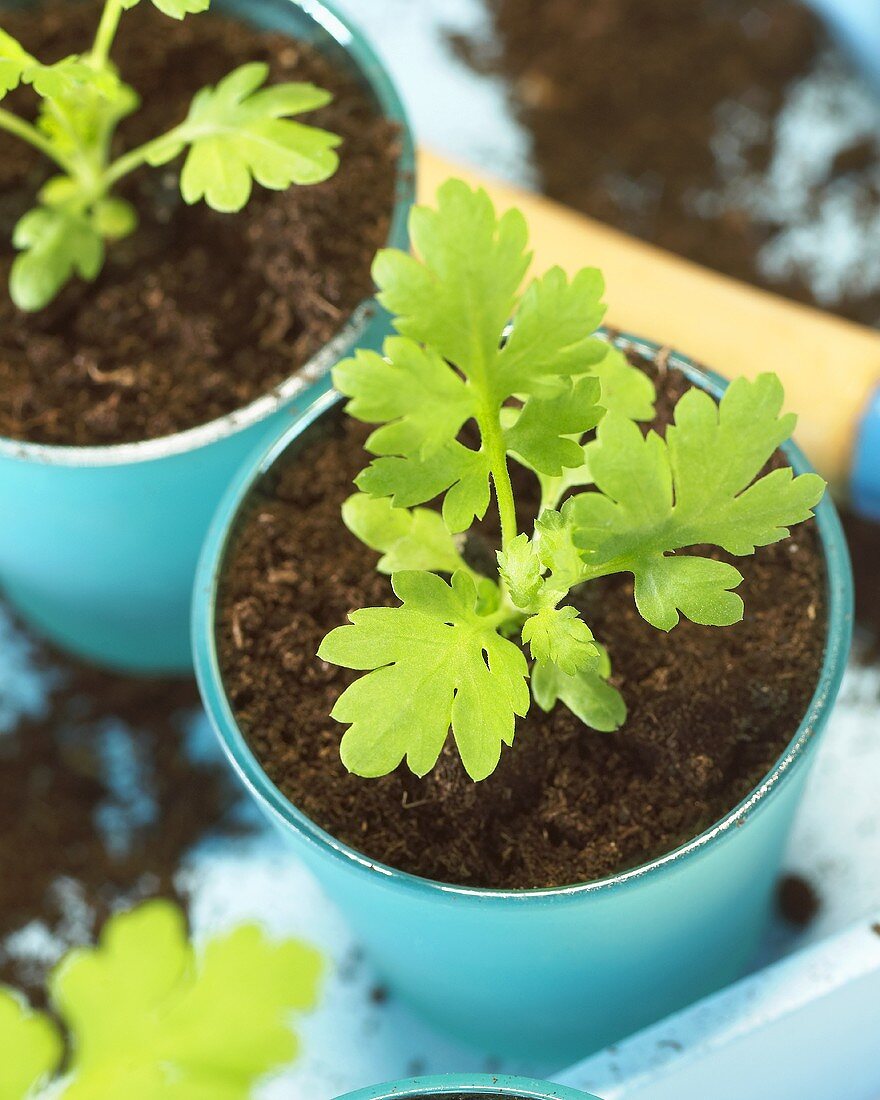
(480, 1085)
(865, 482)
(99, 545)
(558, 973)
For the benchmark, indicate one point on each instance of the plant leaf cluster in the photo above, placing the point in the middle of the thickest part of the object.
(235, 134)
(480, 375)
(148, 1016)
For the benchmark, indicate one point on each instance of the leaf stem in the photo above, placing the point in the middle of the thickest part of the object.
(133, 159)
(492, 434)
(29, 133)
(105, 34)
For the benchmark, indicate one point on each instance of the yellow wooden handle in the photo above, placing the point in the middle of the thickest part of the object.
(829, 366)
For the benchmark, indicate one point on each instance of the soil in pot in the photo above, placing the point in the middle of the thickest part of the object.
(198, 313)
(710, 709)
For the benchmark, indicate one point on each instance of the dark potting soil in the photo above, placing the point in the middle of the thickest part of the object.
(99, 802)
(660, 117)
(198, 313)
(710, 710)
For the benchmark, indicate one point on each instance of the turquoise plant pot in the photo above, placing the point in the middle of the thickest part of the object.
(99, 545)
(467, 1085)
(552, 973)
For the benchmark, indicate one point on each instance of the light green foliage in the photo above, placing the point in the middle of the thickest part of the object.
(520, 570)
(411, 391)
(14, 59)
(569, 414)
(236, 133)
(455, 397)
(240, 131)
(449, 366)
(54, 243)
(586, 692)
(559, 636)
(30, 1047)
(176, 9)
(149, 1016)
(698, 486)
(434, 663)
(407, 539)
(624, 390)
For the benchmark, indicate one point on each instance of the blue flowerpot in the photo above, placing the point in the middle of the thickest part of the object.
(552, 973)
(99, 545)
(478, 1086)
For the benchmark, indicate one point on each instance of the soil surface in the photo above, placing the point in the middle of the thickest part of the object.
(710, 710)
(660, 117)
(99, 802)
(198, 313)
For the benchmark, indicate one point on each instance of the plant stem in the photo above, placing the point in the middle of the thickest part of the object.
(128, 162)
(105, 34)
(29, 133)
(493, 440)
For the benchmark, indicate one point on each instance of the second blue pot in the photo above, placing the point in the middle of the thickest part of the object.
(556, 973)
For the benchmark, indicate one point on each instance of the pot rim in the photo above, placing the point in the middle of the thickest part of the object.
(839, 590)
(480, 1084)
(377, 79)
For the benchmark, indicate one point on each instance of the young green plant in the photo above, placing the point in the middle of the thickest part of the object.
(235, 133)
(458, 394)
(147, 1015)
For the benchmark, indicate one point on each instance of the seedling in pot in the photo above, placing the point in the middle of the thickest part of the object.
(236, 133)
(148, 1016)
(457, 397)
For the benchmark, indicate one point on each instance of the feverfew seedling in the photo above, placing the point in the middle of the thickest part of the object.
(235, 133)
(456, 401)
(149, 1016)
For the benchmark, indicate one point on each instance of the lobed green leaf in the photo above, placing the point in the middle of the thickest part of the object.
(31, 1047)
(14, 60)
(458, 297)
(624, 388)
(456, 470)
(148, 1017)
(432, 664)
(542, 433)
(697, 486)
(700, 588)
(521, 570)
(407, 539)
(240, 132)
(559, 636)
(55, 243)
(411, 391)
(452, 303)
(553, 335)
(587, 694)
